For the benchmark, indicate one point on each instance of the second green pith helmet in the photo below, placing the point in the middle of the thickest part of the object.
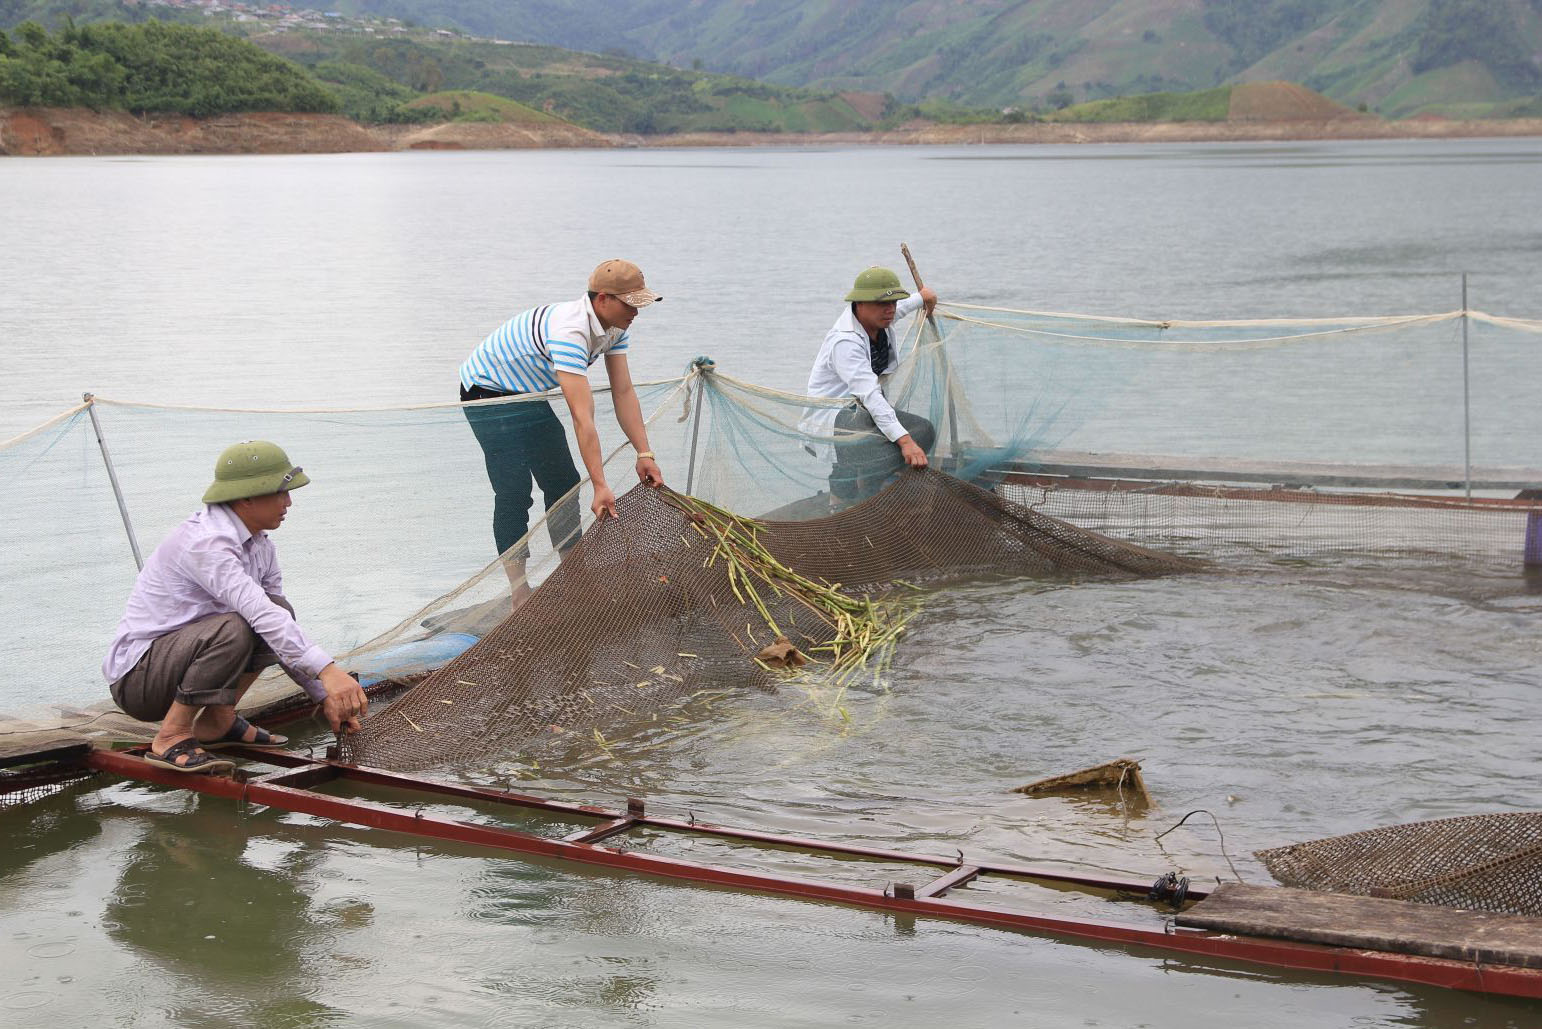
(877, 284)
(255, 468)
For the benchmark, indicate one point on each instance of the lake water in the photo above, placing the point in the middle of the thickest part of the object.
(1290, 705)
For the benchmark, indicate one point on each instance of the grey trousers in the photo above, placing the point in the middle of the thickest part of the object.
(863, 463)
(198, 665)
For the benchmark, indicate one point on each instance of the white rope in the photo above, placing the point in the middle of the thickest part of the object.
(55, 420)
(1519, 324)
(1170, 323)
(522, 398)
(1376, 325)
(771, 393)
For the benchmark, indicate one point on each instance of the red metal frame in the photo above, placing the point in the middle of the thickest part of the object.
(288, 790)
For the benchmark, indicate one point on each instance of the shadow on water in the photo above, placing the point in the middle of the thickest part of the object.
(196, 897)
(37, 830)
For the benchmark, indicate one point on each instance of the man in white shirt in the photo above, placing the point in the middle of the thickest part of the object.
(537, 351)
(871, 439)
(208, 613)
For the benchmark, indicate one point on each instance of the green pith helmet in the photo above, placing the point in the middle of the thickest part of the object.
(252, 469)
(878, 284)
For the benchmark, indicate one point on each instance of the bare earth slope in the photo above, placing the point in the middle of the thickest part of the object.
(44, 131)
(1284, 101)
(75, 130)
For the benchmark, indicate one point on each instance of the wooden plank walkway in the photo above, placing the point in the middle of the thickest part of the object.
(38, 745)
(1369, 923)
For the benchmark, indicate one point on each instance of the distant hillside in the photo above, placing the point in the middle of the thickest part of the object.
(961, 62)
(1398, 57)
(602, 92)
(376, 66)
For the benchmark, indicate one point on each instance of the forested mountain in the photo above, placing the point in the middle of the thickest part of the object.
(823, 65)
(1400, 57)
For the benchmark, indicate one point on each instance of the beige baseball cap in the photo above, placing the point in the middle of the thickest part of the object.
(624, 281)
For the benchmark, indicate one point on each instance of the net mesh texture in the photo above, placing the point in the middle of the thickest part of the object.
(1489, 862)
(25, 785)
(646, 611)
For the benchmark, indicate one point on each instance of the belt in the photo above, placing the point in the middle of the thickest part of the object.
(481, 393)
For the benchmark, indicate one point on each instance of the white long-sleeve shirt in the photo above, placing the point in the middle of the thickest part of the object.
(844, 368)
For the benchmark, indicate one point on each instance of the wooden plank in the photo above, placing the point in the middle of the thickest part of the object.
(960, 875)
(28, 748)
(1370, 923)
(1116, 775)
(600, 832)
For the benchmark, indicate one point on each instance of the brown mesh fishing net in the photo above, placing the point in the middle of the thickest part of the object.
(674, 597)
(1479, 862)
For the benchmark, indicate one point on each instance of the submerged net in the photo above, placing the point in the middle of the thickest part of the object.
(20, 786)
(649, 608)
(1487, 862)
(1246, 525)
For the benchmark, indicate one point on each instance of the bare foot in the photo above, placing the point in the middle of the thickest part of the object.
(521, 594)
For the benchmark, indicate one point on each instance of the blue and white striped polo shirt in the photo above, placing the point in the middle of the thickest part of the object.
(525, 353)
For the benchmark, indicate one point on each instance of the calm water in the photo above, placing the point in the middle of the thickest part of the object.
(1289, 705)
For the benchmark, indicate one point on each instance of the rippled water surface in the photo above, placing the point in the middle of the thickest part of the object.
(1289, 701)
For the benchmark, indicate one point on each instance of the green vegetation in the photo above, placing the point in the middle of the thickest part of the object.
(55, 14)
(950, 112)
(469, 105)
(1528, 108)
(1484, 31)
(1253, 28)
(603, 92)
(151, 67)
(365, 95)
(381, 78)
(1208, 105)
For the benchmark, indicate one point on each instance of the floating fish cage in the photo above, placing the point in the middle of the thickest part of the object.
(1073, 446)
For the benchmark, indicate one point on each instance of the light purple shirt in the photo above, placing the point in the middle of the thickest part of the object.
(212, 564)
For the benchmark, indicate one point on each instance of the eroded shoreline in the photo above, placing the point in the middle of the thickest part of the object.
(78, 132)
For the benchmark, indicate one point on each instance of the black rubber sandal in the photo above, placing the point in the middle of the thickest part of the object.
(235, 737)
(199, 761)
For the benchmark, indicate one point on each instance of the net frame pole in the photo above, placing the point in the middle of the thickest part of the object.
(690, 468)
(931, 321)
(112, 477)
(1466, 397)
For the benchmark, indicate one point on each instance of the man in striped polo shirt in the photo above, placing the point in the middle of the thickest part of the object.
(551, 348)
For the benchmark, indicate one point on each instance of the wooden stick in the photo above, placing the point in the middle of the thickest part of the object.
(931, 322)
(914, 274)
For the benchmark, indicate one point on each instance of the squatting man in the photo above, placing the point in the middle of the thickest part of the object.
(208, 613)
(871, 440)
